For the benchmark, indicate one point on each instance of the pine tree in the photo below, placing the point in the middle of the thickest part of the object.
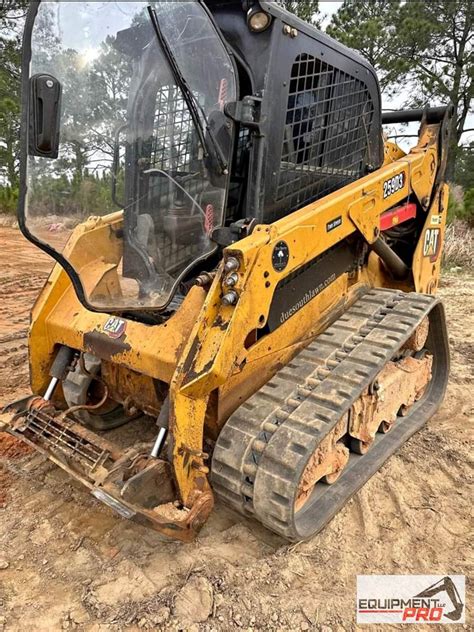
(426, 47)
(369, 27)
(12, 15)
(435, 53)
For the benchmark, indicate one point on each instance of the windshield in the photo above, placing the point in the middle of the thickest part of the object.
(140, 159)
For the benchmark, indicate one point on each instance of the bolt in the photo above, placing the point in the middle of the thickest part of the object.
(232, 265)
(49, 83)
(205, 279)
(199, 467)
(294, 33)
(287, 29)
(230, 298)
(231, 280)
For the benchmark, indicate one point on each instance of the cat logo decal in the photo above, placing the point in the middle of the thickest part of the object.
(432, 244)
(115, 327)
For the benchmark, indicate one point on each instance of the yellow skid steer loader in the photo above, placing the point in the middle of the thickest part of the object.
(246, 268)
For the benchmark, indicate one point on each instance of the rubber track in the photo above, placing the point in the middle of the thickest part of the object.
(264, 447)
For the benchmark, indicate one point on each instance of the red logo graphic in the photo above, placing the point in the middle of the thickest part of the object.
(223, 93)
(398, 599)
(209, 219)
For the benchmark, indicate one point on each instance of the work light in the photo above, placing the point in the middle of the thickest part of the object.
(257, 20)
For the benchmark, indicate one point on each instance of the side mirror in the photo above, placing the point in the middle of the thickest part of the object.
(45, 102)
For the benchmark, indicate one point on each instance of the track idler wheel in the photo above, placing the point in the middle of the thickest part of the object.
(418, 339)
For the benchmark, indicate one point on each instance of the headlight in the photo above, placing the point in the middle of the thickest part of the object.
(257, 20)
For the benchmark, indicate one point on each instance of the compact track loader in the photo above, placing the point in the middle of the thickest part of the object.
(253, 295)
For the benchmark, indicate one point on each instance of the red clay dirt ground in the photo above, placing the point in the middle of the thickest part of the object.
(67, 562)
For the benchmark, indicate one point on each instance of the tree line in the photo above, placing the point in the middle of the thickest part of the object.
(422, 52)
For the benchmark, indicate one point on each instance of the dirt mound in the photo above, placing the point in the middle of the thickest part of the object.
(11, 448)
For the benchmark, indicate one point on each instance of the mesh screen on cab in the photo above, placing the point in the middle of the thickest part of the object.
(326, 139)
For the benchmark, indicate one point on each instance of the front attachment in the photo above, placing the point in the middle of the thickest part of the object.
(132, 483)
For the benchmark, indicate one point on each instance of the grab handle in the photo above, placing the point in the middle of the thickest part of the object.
(45, 100)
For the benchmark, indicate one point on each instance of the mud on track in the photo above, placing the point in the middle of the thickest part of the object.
(72, 564)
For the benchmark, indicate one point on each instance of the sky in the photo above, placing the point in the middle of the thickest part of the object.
(327, 9)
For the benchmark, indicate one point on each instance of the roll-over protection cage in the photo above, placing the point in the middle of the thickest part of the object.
(316, 110)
